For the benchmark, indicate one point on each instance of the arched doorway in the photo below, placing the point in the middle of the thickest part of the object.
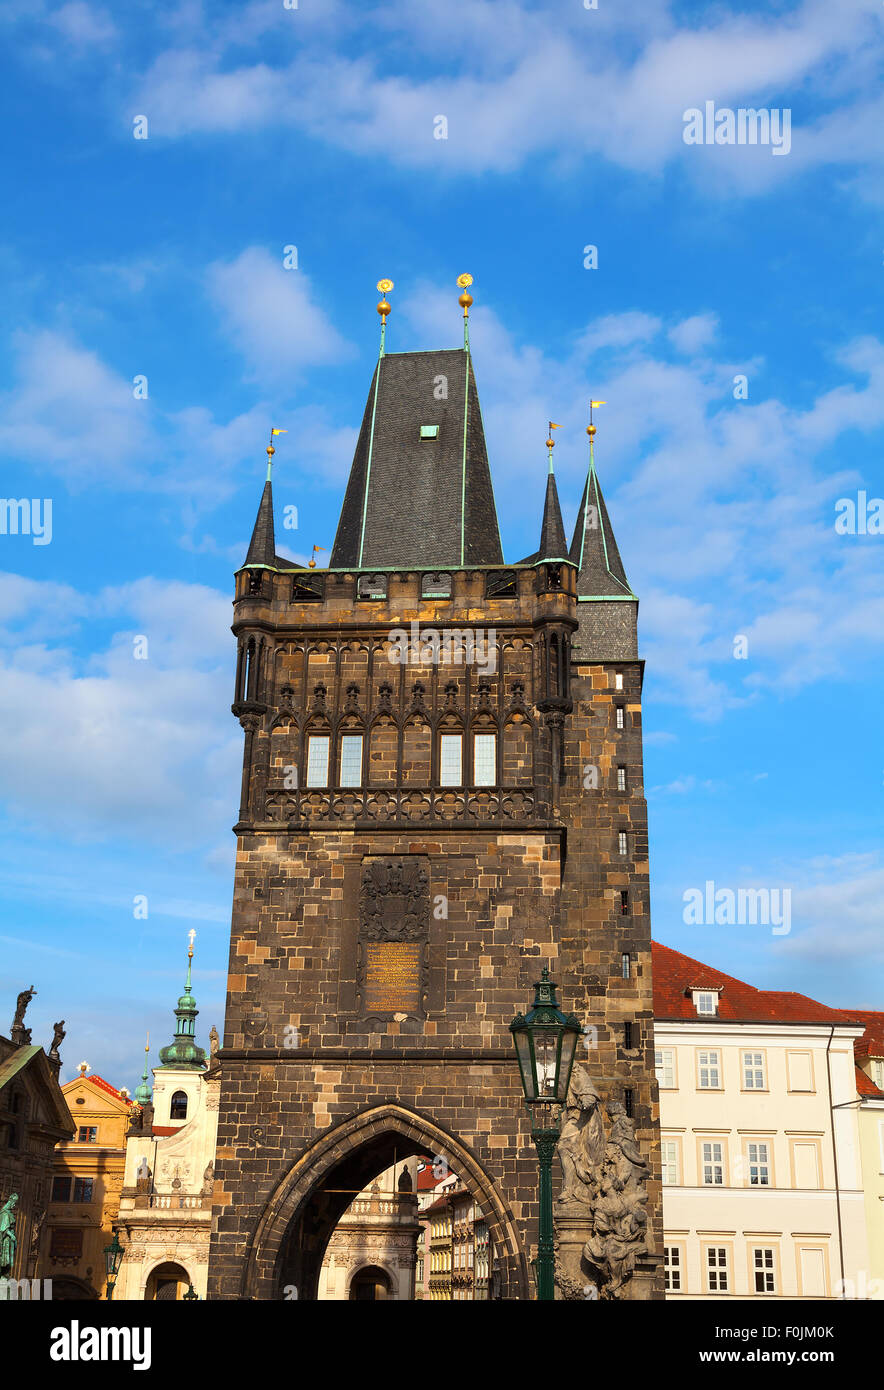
(167, 1283)
(370, 1285)
(286, 1250)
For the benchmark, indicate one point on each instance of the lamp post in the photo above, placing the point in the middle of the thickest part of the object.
(113, 1256)
(191, 1296)
(545, 1041)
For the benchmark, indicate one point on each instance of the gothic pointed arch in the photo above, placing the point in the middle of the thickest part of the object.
(308, 1191)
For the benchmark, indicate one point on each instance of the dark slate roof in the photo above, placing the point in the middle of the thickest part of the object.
(594, 549)
(262, 549)
(553, 545)
(424, 502)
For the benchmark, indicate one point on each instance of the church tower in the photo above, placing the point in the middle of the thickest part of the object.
(442, 794)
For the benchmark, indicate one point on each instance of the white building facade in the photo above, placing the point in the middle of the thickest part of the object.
(761, 1156)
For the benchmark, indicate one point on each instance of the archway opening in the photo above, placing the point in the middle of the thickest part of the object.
(292, 1247)
(370, 1285)
(167, 1283)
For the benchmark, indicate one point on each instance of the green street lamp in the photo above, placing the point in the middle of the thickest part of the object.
(191, 1296)
(113, 1258)
(545, 1041)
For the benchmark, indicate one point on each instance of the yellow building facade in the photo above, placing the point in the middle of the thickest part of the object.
(87, 1179)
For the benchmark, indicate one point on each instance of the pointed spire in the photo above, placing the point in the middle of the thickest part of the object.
(262, 547)
(553, 545)
(600, 572)
(383, 309)
(183, 1053)
(143, 1091)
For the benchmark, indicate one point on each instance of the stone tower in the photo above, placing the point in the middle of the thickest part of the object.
(441, 794)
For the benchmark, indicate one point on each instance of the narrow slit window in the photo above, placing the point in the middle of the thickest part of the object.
(351, 760)
(618, 680)
(451, 760)
(621, 779)
(484, 760)
(621, 842)
(625, 965)
(624, 902)
(618, 717)
(317, 760)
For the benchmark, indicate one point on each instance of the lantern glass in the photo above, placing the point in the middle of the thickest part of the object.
(113, 1255)
(569, 1045)
(523, 1052)
(546, 1056)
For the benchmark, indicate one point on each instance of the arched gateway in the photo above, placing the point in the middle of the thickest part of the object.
(442, 793)
(285, 1254)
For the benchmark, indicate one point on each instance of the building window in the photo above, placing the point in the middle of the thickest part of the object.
(484, 760)
(429, 432)
(351, 760)
(618, 716)
(764, 1269)
(83, 1189)
(621, 779)
(618, 680)
(878, 1073)
(87, 1134)
(629, 1101)
(706, 1002)
(627, 1035)
(317, 760)
(178, 1106)
(758, 1156)
(716, 1269)
(664, 1065)
(621, 842)
(713, 1163)
(624, 902)
(669, 1152)
(61, 1189)
(625, 965)
(753, 1071)
(709, 1065)
(451, 760)
(672, 1268)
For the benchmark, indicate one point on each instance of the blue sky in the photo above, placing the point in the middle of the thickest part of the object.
(163, 257)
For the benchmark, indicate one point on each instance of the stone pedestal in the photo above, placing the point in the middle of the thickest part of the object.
(573, 1279)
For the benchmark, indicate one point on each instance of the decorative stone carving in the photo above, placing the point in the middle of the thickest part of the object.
(605, 1188)
(395, 899)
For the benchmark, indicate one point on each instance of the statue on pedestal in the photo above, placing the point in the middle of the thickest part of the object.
(7, 1233)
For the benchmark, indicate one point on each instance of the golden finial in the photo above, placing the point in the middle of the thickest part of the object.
(270, 451)
(551, 443)
(312, 561)
(465, 301)
(384, 308)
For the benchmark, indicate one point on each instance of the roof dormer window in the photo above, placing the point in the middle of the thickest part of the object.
(429, 431)
(705, 1002)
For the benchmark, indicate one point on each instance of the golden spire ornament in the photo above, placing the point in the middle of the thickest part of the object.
(384, 308)
(271, 451)
(465, 301)
(551, 443)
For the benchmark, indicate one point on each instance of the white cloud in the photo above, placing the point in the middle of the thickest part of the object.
(518, 89)
(693, 334)
(271, 316)
(108, 741)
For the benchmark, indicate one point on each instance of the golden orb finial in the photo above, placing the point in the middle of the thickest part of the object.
(465, 300)
(384, 307)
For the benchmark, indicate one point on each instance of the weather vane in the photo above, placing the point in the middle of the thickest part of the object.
(271, 451)
(312, 562)
(551, 443)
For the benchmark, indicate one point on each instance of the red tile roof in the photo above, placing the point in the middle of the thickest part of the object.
(871, 1044)
(675, 975)
(865, 1086)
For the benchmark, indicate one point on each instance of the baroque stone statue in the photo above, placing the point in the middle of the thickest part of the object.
(581, 1145)
(19, 1034)
(605, 1181)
